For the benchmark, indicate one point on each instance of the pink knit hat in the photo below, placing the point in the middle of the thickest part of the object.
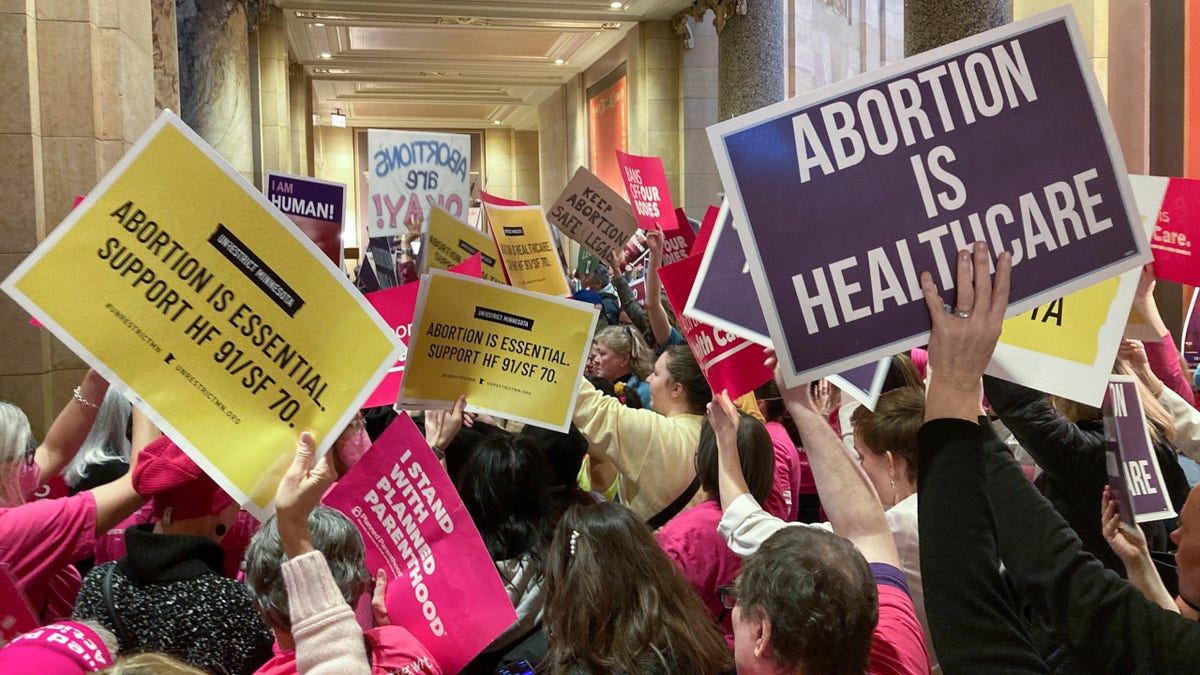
(163, 472)
(63, 648)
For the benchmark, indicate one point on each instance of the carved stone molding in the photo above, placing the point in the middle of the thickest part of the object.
(721, 9)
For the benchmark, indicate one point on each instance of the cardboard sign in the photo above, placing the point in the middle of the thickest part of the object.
(448, 242)
(1067, 346)
(514, 353)
(211, 308)
(411, 172)
(729, 362)
(315, 206)
(846, 194)
(527, 249)
(396, 306)
(442, 584)
(1176, 240)
(593, 214)
(646, 184)
(16, 616)
(1133, 471)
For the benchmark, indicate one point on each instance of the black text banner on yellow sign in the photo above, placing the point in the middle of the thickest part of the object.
(450, 241)
(527, 249)
(179, 281)
(513, 353)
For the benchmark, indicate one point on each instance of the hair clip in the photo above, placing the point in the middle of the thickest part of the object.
(574, 536)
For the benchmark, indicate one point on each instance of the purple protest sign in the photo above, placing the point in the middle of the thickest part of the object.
(844, 195)
(315, 206)
(719, 296)
(1133, 472)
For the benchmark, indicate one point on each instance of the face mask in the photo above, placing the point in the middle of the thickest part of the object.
(30, 478)
(354, 448)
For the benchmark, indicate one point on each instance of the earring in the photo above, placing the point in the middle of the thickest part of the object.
(894, 495)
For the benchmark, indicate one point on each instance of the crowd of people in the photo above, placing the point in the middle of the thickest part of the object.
(962, 525)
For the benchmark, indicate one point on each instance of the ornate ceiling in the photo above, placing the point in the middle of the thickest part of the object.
(452, 63)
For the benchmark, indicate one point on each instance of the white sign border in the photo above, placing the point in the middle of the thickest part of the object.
(168, 118)
(403, 403)
(717, 133)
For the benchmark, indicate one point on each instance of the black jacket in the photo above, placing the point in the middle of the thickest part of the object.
(1073, 463)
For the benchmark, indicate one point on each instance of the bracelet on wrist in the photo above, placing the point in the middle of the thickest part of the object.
(438, 452)
(83, 401)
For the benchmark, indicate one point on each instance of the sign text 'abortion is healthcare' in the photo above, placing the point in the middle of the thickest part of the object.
(846, 195)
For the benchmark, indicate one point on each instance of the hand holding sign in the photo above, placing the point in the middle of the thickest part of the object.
(299, 493)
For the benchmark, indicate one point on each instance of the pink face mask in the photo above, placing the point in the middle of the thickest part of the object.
(354, 448)
(30, 478)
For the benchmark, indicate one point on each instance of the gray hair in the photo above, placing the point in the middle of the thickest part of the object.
(333, 534)
(15, 439)
(106, 441)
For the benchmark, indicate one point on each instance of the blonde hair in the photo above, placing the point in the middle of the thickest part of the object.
(628, 342)
(1158, 421)
(150, 663)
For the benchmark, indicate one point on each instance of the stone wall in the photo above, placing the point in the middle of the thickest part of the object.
(79, 85)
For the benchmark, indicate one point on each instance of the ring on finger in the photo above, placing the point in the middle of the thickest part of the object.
(963, 313)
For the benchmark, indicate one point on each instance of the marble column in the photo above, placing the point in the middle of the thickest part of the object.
(166, 55)
(273, 112)
(300, 119)
(751, 57)
(78, 80)
(933, 23)
(214, 77)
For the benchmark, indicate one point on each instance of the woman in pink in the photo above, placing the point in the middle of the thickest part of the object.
(793, 485)
(40, 539)
(691, 540)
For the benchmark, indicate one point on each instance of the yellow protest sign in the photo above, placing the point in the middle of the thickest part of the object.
(180, 282)
(449, 242)
(527, 249)
(513, 352)
(1067, 328)
(1067, 347)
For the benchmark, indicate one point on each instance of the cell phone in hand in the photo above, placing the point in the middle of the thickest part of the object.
(518, 668)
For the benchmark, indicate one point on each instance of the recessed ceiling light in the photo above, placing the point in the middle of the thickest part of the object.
(559, 62)
(326, 55)
(615, 5)
(318, 25)
(495, 121)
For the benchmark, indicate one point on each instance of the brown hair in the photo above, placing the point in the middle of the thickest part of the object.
(756, 455)
(893, 425)
(613, 596)
(902, 373)
(628, 342)
(682, 369)
(820, 596)
(1158, 421)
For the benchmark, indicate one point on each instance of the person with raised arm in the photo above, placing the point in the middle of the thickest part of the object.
(977, 508)
(797, 575)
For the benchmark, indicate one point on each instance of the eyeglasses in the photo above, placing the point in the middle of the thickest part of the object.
(728, 596)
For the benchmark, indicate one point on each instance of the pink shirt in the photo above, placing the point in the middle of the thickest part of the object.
(898, 647)
(691, 541)
(39, 541)
(782, 501)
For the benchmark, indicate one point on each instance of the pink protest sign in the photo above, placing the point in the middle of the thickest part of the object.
(396, 305)
(646, 184)
(706, 229)
(442, 584)
(1176, 240)
(678, 243)
(729, 362)
(16, 616)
